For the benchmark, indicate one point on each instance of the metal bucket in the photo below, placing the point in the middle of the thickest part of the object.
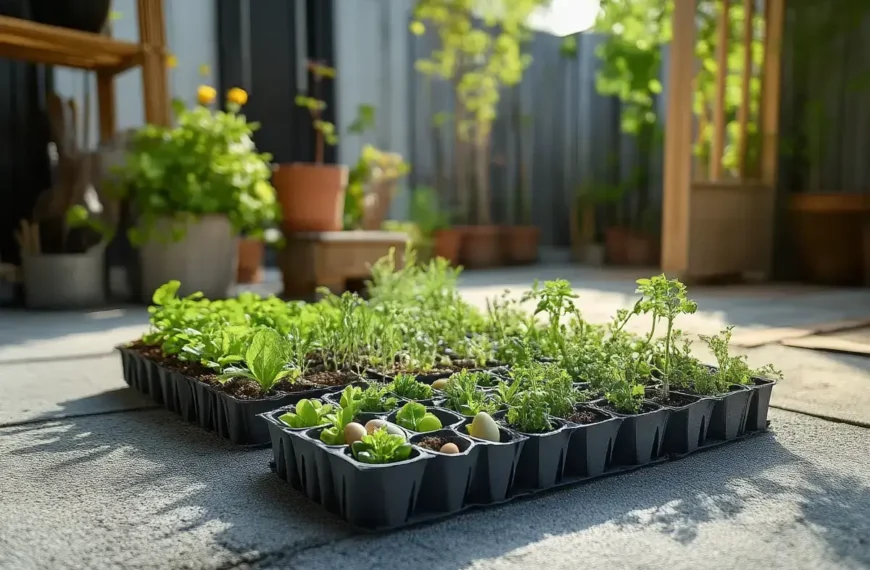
(64, 281)
(205, 260)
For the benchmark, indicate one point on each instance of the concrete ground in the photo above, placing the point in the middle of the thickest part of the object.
(94, 476)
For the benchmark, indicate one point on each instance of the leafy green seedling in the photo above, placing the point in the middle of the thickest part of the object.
(266, 360)
(413, 416)
(334, 434)
(407, 386)
(381, 447)
(308, 414)
(463, 395)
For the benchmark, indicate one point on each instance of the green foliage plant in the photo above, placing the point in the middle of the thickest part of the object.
(338, 420)
(479, 56)
(414, 416)
(307, 414)
(531, 412)
(376, 398)
(381, 447)
(205, 164)
(266, 360)
(731, 369)
(407, 386)
(665, 299)
(324, 130)
(461, 394)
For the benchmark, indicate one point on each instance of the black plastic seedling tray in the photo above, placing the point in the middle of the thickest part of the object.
(431, 486)
(201, 404)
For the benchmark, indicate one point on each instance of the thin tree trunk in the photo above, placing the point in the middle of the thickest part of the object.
(484, 150)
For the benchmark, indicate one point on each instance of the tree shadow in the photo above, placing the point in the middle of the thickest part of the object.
(177, 484)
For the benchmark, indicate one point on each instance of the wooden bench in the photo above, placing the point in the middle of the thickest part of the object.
(331, 259)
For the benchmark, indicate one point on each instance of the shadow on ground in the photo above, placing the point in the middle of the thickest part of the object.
(190, 494)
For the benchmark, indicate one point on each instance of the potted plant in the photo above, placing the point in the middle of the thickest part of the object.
(62, 258)
(312, 195)
(477, 72)
(522, 237)
(433, 224)
(193, 187)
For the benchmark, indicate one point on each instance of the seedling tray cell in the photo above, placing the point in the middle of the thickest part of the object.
(199, 403)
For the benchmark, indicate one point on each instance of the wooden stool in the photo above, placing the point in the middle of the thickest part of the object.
(329, 259)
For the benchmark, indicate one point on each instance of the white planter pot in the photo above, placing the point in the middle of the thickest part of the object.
(204, 260)
(64, 281)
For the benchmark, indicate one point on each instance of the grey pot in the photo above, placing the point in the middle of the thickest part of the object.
(204, 260)
(64, 281)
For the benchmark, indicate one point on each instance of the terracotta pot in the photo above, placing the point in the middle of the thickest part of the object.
(447, 244)
(827, 230)
(480, 247)
(616, 245)
(520, 244)
(311, 196)
(251, 253)
(641, 250)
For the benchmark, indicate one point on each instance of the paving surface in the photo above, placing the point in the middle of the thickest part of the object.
(94, 476)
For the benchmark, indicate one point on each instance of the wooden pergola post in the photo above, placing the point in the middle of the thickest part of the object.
(678, 141)
(721, 226)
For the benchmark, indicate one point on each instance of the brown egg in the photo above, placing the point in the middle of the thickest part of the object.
(439, 384)
(449, 448)
(353, 432)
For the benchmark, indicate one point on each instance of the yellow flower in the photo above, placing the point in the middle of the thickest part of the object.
(238, 96)
(171, 61)
(417, 28)
(206, 95)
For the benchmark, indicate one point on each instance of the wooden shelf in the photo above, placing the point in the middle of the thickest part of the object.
(51, 45)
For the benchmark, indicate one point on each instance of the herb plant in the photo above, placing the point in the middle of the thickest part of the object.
(531, 412)
(665, 299)
(381, 447)
(731, 369)
(625, 392)
(413, 416)
(308, 414)
(407, 386)
(462, 395)
(376, 398)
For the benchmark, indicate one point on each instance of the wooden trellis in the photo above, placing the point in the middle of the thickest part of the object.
(107, 57)
(718, 226)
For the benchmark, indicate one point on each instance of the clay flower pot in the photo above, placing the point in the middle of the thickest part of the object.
(251, 253)
(616, 245)
(311, 196)
(480, 247)
(521, 244)
(447, 244)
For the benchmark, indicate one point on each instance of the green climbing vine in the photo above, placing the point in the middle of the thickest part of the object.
(631, 62)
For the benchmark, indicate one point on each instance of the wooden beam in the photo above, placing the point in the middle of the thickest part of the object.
(678, 141)
(106, 104)
(770, 96)
(745, 102)
(717, 144)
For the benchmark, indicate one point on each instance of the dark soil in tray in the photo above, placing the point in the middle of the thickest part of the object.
(330, 377)
(193, 370)
(433, 443)
(300, 385)
(585, 417)
(674, 400)
(643, 409)
(245, 389)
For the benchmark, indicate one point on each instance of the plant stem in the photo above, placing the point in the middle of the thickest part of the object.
(666, 380)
